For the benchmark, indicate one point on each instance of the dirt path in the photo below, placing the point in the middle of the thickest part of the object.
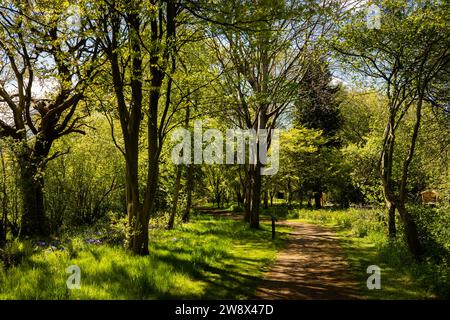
(312, 266)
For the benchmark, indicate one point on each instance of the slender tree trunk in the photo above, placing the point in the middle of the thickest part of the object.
(176, 193)
(190, 173)
(255, 196)
(238, 196)
(266, 199)
(132, 195)
(189, 185)
(4, 217)
(386, 176)
(411, 234)
(289, 190)
(255, 173)
(317, 199)
(391, 221)
(152, 175)
(248, 196)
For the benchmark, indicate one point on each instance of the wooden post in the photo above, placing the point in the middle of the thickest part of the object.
(274, 219)
(273, 228)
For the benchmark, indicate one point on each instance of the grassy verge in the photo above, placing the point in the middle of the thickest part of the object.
(361, 233)
(209, 258)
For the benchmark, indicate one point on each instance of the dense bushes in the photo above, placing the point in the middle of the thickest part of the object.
(434, 230)
(83, 185)
(14, 252)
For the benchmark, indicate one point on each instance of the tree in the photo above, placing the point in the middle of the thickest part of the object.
(318, 104)
(297, 156)
(36, 45)
(318, 108)
(405, 69)
(262, 46)
(125, 26)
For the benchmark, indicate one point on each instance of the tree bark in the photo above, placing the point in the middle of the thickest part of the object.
(34, 223)
(398, 201)
(176, 193)
(317, 199)
(391, 221)
(248, 195)
(4, 217)
(266, 199)
(255, 196)
(189, 186)
(411, 234)
(289, 191)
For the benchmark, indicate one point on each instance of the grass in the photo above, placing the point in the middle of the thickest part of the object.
(362, 235)
(209, 258)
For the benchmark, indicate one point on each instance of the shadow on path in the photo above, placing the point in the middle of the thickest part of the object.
(311, 266)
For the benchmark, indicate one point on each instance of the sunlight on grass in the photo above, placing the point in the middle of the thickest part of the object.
(208, 258)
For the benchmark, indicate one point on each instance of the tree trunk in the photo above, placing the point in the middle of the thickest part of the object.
(189, 185)
(391, 221)
(140, 235)
(317, 199)
(266, 199)
(176, 193)
(248, 196)
(33, 222)
(289, 190)
(132, 195)
(255, 173)
(411, 234)
(386, 162)
(4, 217)
(238, 197)
(255, 196)
(301, 199)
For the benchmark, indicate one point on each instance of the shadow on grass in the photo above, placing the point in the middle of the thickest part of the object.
(210, 258)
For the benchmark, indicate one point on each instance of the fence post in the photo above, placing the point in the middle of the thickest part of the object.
(274, 219)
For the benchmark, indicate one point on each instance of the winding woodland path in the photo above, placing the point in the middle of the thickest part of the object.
(311, 266)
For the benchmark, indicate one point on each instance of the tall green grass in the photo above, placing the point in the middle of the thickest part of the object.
(208, 258)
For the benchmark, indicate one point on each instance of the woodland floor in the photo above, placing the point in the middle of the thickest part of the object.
(311, 266)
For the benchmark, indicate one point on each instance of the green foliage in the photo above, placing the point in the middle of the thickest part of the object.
(434, 229)
(84, 184)
(318, 105)
(116, 229)
(14, 252)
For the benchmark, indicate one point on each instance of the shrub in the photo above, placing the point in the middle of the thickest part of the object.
(116, 230)
(433, 225)
(14, 252)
